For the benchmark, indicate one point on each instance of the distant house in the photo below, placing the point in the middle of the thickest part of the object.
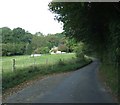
(55, 50)
(52, 53)
(63, 52)
(58, 52)
(35, 55)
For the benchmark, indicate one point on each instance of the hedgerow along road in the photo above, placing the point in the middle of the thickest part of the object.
(80, 86)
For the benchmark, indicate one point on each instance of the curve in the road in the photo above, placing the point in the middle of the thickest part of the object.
(81, 86)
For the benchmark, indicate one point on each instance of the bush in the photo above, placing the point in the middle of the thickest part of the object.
(42, 50)
(62, 48)
(13, 49)
(80, 50)
(61, 62)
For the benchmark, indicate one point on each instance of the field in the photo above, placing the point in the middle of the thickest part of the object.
(27, 68)
(27, 60)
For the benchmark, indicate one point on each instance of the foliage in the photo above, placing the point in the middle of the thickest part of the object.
(108, 74)
(38, 41)
(17, 35)
(42, 50)
(13, 49)
(61, 62)
(6, 35)
(80, 50)
(15, 42)
(28, 43)
(71, 44)
(90, 23)
(62, 48)
(52, 40)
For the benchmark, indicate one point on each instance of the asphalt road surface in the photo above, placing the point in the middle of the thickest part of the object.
(81, 86)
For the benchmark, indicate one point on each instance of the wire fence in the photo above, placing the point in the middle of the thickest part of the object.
(10, 64)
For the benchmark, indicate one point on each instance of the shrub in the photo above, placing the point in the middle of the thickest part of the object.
(79, 50)
(62, 47)
(13, 49)
(42, 50)
(61, 62)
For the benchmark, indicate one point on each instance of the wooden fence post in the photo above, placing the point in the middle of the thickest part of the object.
(46, 61)
(34, 62)
(13, 68)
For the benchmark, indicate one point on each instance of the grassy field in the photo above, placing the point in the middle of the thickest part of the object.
(26, 61)
(28, 67)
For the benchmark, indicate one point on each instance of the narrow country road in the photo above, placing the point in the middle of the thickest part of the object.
(81, 86)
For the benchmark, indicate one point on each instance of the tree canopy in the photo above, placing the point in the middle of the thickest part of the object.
(19, 42)
(97, 24)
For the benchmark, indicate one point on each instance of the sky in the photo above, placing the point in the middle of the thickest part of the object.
(31, 15)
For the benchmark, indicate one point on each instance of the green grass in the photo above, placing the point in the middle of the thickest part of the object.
(26, 60)
(109, 75)
(55, 64)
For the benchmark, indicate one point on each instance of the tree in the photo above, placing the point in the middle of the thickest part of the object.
(20, 35)
(53, 40)
(62, 48)
(42, 50)
(98, 26)
(16, 41)
(13, 49)
(90, 23)
(6, 35)
(38, 41)
(39, 34)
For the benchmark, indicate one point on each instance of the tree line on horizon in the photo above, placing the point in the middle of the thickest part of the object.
(21, 42)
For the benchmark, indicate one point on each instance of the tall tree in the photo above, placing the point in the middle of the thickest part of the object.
(6, 34)
(90, 23)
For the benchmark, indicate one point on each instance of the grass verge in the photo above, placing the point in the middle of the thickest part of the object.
(109, 76)
(11, 79)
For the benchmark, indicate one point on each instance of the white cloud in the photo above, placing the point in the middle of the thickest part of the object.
(32, 15)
